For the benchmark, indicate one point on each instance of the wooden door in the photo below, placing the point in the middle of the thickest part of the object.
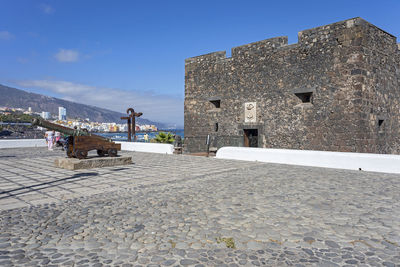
(250, 138)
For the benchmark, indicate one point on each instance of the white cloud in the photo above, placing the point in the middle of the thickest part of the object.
(155, 107)
(67, 55)
(47, 9)
(5, 35)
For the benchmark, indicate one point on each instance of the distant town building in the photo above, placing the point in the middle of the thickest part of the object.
(337, 89)
(123, 127)
(62, 113)
(45, 115)
(30, 110)
(113, 128)
(147, 127)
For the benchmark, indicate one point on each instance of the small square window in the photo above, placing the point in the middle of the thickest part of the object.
(216, 103)
(305, 97)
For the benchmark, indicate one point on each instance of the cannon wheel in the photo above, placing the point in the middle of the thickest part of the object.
(112, 152)
(81, 154)
(69, 153)
(101, 152)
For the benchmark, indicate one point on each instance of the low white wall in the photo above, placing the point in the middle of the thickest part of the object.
(5, 143)
(130, 146)
(339, 160)
(147, 147)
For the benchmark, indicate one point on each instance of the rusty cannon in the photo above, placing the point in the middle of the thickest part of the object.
(80, 142)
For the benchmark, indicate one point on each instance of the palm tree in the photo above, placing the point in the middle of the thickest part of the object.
(165, 138)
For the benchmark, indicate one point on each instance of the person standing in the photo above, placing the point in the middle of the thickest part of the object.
(146, 138)
(178, 140)
(45, 138)
(50, 139)
(57, 137)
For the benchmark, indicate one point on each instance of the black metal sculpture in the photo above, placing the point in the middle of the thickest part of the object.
(131, 120)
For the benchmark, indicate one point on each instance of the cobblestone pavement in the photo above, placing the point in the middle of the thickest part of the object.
(174, 210)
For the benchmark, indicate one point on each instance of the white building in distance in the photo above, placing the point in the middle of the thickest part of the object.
(62, 113)
(45, 115)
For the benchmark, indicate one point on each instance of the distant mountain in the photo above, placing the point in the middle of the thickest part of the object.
(16, 98)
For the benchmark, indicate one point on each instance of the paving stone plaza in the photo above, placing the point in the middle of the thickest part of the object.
(178, 210)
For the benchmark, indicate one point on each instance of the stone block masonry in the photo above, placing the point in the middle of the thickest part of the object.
(337, 89)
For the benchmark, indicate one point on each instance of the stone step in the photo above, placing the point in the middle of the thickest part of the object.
(95, 162)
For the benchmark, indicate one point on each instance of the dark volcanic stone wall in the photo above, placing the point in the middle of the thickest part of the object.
(352, 68)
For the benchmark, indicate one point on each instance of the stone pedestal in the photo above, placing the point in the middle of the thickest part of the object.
(95, 162)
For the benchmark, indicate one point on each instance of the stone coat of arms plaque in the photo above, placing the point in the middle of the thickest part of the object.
(250, 112)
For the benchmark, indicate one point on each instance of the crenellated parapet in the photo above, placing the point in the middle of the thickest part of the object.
(344, 30)
(255, 48)
(260, 47)
(211, 57)
(351, 32)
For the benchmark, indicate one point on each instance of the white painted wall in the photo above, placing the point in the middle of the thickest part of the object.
(130, 146)
(339, 160)
(147, 147)
(5, 143)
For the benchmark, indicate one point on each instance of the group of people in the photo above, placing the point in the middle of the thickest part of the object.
(52, 137)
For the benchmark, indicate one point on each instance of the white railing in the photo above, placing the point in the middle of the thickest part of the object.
(340, 160)
(6, 143)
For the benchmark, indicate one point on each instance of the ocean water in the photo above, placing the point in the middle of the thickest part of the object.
(140, 136)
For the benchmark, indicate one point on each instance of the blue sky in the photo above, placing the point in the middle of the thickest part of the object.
(116, 54)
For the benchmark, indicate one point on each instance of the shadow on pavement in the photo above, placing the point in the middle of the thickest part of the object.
(80, 176)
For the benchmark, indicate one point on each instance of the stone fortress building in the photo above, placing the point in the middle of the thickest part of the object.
(337, 89)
